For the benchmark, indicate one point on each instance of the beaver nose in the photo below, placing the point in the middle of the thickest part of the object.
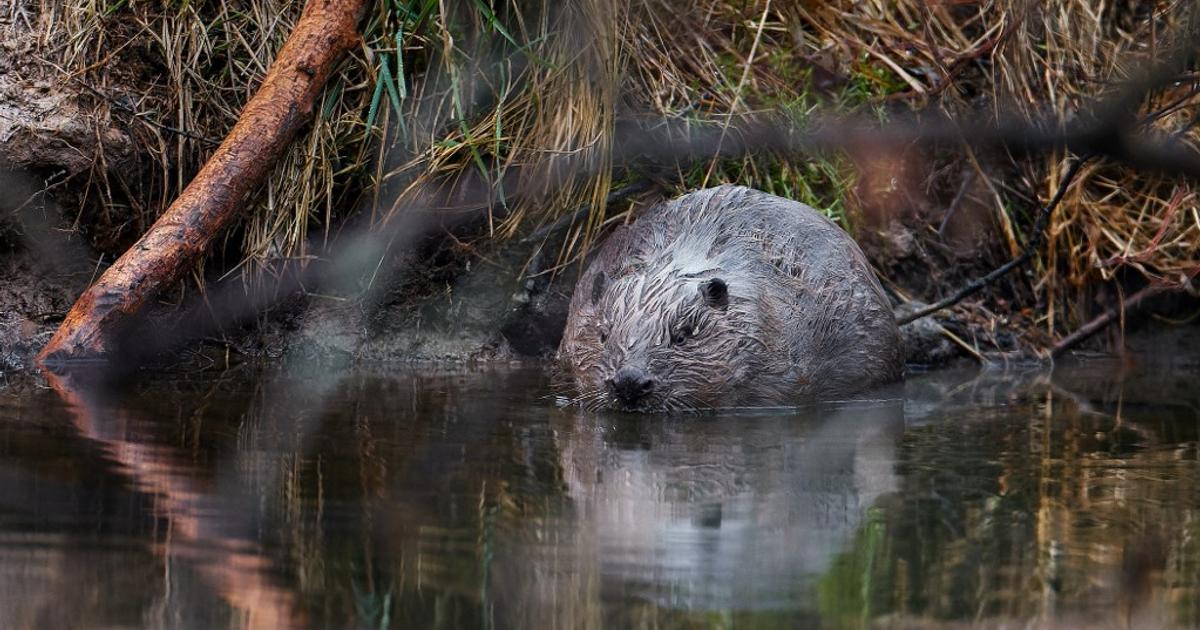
(630, 384)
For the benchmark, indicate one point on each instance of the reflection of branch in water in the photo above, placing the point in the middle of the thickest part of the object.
(203, 520)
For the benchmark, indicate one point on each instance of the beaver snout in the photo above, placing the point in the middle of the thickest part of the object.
(630, 385)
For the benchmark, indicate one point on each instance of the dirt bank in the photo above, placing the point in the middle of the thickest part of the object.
(432, 302)
(43, 267)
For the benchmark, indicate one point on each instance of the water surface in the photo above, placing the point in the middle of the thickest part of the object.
(466, 499)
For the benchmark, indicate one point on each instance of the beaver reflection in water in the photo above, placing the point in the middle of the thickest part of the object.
(727, 297)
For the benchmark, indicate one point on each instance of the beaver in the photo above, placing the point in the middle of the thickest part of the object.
(727, 297)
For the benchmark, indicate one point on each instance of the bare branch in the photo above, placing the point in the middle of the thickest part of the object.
(1036, 235)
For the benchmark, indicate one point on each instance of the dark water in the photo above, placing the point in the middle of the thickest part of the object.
(466, 499)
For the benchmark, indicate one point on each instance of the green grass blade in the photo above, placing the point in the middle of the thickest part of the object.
(374, 109)
(403, 89)
(393, 93)
(495, 22)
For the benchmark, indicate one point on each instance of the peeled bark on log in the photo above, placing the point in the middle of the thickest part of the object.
(282, 106)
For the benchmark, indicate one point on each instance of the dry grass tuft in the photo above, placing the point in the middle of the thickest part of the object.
(1035, 58)
(197, 64)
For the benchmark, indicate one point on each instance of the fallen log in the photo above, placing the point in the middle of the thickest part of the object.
(282, 106)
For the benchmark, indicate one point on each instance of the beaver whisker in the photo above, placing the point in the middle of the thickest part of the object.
(600, 401)
(587, 400)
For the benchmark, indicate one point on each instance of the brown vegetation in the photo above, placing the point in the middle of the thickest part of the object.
(526, 101)
(180, 237)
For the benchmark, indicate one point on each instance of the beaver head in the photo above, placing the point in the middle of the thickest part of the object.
(661, 339)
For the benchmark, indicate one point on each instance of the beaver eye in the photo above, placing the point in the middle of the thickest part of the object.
(603, 335)
(682, 333)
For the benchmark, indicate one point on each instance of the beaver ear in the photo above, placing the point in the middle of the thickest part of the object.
(715, 293)
(598, 283)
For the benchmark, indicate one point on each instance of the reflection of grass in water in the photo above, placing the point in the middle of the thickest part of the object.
(844, 593)
(1072, 509)
(1184, 574)
(373, 609)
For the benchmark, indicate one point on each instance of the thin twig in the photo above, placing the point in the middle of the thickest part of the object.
(1106, 318)
(968, 348)
(962, 192)
(1035, 240)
